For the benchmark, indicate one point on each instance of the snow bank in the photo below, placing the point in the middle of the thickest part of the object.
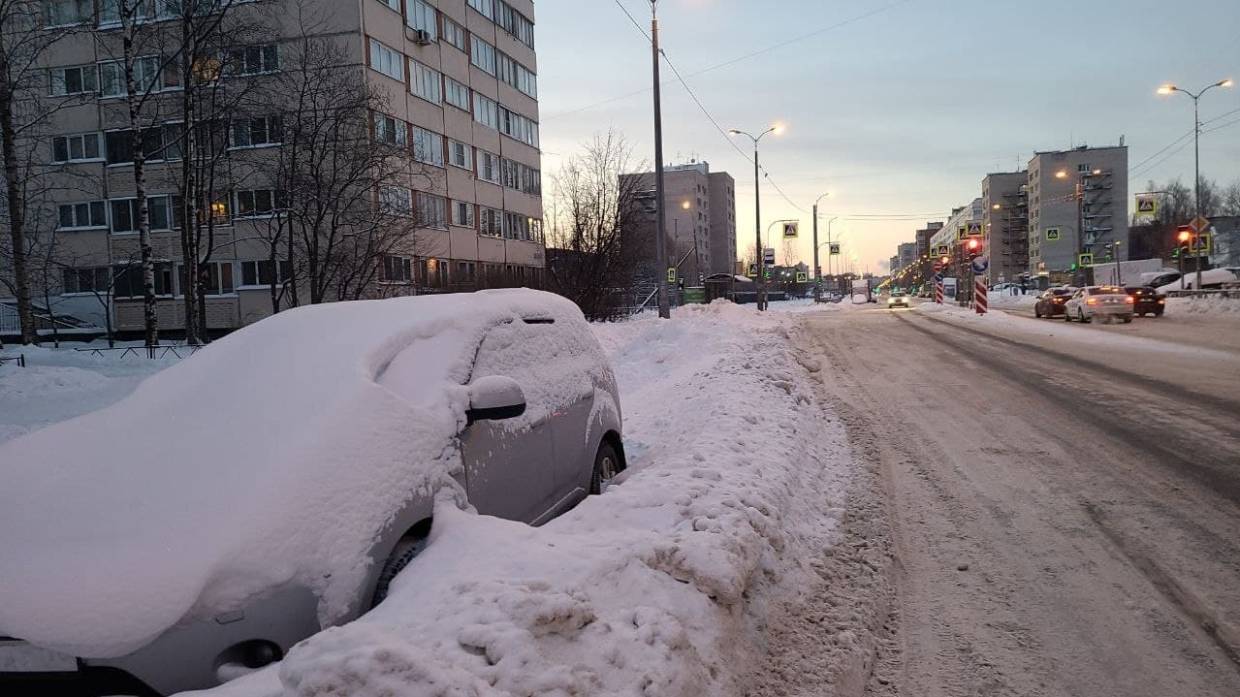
(1205, 306)
(273, 456)
(1007, 301)
(646, 590)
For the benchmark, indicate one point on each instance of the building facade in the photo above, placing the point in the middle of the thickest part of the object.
(458, 85)
(700, 208)
(1005, 204)
(1078, 204)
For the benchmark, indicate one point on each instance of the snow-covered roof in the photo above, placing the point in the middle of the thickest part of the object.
(274, 455)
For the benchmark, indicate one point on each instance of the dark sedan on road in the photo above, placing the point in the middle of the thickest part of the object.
(1051, 302)
(1147, 300)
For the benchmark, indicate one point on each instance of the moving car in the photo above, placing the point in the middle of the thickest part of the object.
(1108, 302)
(1146, 300)
(897, 299)
(1051, 302)
(276, 482)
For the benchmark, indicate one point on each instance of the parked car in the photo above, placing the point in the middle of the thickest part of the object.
(1051, 302)
(1109, 302)
(276, 482)
(897, 299)
(1147, 300)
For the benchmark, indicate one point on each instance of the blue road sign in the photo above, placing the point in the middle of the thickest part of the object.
(980, 265)
(938, 277)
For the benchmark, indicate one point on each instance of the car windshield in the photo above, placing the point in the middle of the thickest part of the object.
(1062, 292)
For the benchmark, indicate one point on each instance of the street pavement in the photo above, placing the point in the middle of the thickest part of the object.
(1064, 505)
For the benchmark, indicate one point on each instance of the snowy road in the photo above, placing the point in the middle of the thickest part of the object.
(1056, 530)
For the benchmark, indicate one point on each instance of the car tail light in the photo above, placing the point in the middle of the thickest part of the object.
(1129, 299)
(1058, 301)
(1091, 301)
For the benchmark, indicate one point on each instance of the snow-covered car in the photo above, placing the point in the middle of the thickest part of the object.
(897, 299)
(1211, 279)
(1090, 302)
(276, 482)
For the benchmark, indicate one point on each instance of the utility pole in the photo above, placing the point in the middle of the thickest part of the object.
(660, 245)
(1080, 229)
(817, 271)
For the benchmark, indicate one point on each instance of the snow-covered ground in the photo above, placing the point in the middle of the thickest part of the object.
(659, 587)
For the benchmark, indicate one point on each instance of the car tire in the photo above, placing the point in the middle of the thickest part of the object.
(409, 546)
(606, 467)
(1080, 315)
(1126, 319)
(1036, 312)
(1067, 316)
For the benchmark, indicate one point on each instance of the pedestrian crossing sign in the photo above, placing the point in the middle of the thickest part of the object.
(802, 277)
(1052, 234)
(1086, 259)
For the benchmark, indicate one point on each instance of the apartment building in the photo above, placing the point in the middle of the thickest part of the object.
(700, 206)
(458, 80)
(924, 250)
(1005, 205)
(1078, 203)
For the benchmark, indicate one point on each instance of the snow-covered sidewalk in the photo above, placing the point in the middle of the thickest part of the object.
(658, 587)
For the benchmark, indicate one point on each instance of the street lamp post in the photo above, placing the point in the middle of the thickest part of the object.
(817, 271)
(757, 210)
(1169, 89)
(660, 245)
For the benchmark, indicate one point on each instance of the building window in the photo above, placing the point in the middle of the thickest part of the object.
(77, 79)
(393, 4)
(419, 15)
(518, 76)
(391, 130)
(486, 8)
(516, 226)
(396, 200)
(253, 60)
(63, 13)
(396, 269)
(486, 111)
(432, 210)
(90, 214)
(518, 127)
(127, 280)
(456, 94)
(531, 181)
(425, 82)
(164, 213)
(257, 132)
(216, 277)
(460, 155)
(76, 148)
(462, 214)
(488, 167)
(514, 23)
(95, 279)
(491, 222)
(158, 143)
(454, 34)
(387, 61)
(482, 54)
(427, 146)
(510, 173)
(146, 76)
(265, 272)
(259, 203)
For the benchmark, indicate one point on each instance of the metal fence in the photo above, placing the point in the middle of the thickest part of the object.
(151, 352)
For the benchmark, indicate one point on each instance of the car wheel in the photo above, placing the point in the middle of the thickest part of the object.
(409, 546)
(1067, 316)
(1080, 315)
(1127, 319)
(1037, 313)
(606, 467)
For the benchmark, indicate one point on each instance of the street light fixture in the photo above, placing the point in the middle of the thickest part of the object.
(757, 206)
(1168, 89)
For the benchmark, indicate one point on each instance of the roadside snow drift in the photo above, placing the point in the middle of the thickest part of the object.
(273, 456)
(654, 588)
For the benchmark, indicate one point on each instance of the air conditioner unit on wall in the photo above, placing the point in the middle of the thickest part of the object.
(420, 36)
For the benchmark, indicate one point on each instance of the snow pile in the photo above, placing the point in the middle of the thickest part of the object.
(650, 589)
(273, 456)
(1209, 277)
(1007, 301)
(59, 384)
(1216, 305)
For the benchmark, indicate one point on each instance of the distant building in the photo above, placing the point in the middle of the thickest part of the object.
(700, 206)
(1005, 205)
(1094, 178)
(908, 254)
(924, 250)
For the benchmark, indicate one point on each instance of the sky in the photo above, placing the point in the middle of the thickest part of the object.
(893, 108)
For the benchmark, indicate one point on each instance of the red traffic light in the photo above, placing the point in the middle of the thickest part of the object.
(974, 245)
(1185, 235)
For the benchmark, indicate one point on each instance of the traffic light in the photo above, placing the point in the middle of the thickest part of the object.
(974, 247)
(1184, 236)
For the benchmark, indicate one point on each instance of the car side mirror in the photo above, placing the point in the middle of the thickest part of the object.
(495, 398)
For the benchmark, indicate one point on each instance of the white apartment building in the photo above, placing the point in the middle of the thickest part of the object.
(460, 83)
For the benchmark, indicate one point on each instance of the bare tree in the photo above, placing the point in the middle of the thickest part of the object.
(1231, 199)
(596, 227)
(344, 176)
(29, 32)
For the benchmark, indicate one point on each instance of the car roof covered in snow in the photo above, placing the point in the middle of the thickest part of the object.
(274, 455)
